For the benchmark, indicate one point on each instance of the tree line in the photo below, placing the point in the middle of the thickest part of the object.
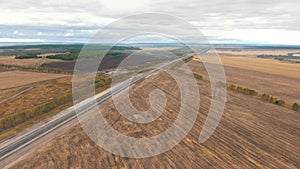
(24, 115)
(28, 56)
(241, 89)
(266, 97)
(74, 55)
(36, 69)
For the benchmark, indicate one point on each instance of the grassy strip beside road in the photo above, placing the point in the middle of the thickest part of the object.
(24, 115)
(21, 127)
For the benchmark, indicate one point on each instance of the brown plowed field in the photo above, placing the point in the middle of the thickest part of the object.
(273, 77)
(252, 133)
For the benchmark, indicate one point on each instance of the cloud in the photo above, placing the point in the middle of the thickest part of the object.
(39, 33)
(18, 33)
(20, 40)
(68, 34)
(266, 36)
(220, 20)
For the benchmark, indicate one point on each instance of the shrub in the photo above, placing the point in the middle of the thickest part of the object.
(198, 76)
(188, 59)
(280, 102)
(296, 106)
(252, 92)
(265, 97)
(231, 86)
(239, 89)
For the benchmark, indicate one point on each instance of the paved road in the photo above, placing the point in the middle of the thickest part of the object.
(16, 147)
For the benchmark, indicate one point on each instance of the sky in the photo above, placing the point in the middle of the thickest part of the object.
(221, 21)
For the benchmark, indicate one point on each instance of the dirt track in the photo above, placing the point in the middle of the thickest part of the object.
(251, 134)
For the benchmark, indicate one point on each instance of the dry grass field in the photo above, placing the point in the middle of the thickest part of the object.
(29, 97)
(251, 134)
(10, 60)
(269, 76)
(34, 94)
(253, 52)
(264, 65)
(27, 89)
(10, 79)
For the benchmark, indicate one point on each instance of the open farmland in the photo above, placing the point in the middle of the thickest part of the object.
(28, 97)
(111, 60)
(16, 78)
(263, 65)
(10, 60)
(38, 101)
(273, 77)
(35, 94)
(268, 76)
(56, 56)
(251, 134)
(252, 51)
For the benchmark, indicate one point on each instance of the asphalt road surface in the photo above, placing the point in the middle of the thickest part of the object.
(15, 147)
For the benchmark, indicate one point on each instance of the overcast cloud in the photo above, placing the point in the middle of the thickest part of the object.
(222, 21)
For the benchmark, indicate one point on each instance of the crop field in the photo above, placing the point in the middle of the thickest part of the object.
(28, 97)
(38, 100)
(253, 52)
(269, 76)
(280, 79)
(265, 75)
(252, 133)
(10, 79)
(33, 94)
(10, 60)
(263, 65)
